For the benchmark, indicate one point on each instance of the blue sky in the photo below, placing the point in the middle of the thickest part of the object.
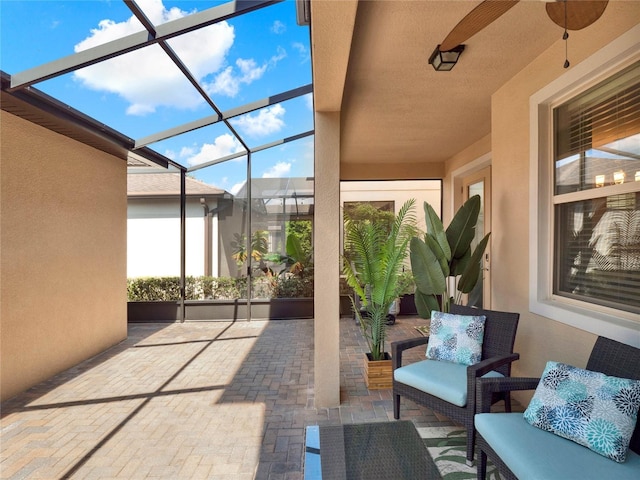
(141, 93)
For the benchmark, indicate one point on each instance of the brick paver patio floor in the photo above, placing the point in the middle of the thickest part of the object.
(214, 400)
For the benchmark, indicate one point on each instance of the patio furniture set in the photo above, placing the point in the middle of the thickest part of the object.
(468, 368)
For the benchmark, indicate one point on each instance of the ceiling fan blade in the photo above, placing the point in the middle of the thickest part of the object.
(476, 20)
(580, 13)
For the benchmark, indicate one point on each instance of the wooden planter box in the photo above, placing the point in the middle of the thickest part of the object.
(378, 374)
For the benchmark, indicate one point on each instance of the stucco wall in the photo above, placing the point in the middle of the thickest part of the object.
(398, 191)
(63, 253)
(539, 339)
(472, 158)
(326, 235)
(153, 240)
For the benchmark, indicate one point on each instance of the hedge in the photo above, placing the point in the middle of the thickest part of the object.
(143, 289)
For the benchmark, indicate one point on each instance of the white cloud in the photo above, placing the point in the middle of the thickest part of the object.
(144, 76)
(266, 121)
(281, 53)
(278, 27)
(225, 84)
(236, 188)
(279, 170)
(308, 101)
(303, 51)
(228, 81)
(224, 145)
(250, 70)
(186, 152)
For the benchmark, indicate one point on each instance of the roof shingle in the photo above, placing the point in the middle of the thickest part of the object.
(158, 184)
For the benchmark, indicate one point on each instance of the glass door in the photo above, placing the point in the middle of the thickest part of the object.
(479, 183)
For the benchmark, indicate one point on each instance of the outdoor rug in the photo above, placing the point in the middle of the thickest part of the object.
(447, 446)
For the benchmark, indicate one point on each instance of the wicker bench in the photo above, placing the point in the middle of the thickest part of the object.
(521, 451)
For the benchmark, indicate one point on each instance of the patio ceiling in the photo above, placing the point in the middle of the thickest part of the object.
(371, 63)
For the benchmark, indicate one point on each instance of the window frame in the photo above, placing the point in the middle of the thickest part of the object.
(600, 320)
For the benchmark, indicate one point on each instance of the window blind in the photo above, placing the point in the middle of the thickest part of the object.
(597, 240)
(601, 116)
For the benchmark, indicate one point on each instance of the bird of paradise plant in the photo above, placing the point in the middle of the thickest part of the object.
(444, 265)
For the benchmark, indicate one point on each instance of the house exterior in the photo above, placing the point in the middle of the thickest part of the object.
(153, 226)
(517, 148)
(64, 287)
(63, 278)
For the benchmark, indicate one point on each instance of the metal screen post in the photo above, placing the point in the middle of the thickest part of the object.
(183, 217)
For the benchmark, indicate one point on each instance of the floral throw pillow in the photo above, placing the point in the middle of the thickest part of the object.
(592, 409)
(456, 338)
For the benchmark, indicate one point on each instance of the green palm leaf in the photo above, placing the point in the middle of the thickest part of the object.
(445, 257)
(435, 228)
(461, 230)
(426, 268)
(379, 255)
(469, 277)
(425, 304)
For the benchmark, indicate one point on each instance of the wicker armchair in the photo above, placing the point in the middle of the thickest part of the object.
(497, 356)
(608, 357)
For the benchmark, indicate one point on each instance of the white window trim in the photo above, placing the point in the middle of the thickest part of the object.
(615, 324)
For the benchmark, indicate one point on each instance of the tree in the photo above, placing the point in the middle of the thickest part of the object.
(302, 229)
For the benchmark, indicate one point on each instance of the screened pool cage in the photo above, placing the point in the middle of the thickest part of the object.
(242, 231)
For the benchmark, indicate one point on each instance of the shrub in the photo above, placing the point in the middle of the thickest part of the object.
(145, 289)
(291, 286)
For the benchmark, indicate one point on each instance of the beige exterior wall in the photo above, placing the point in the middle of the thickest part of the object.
(539, 339)
(470, 159)
(63, 253)
(391, 171)
(326, 251)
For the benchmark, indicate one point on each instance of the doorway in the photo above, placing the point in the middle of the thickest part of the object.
(479, 183)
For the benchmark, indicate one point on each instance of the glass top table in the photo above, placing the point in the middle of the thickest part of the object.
(368, 451)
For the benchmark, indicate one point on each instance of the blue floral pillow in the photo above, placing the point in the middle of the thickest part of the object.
(590, 408)
(456, 338)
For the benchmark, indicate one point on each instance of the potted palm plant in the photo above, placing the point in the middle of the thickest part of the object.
(373, 272)
(444, 265)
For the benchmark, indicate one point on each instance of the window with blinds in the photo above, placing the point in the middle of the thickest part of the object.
(597, 194)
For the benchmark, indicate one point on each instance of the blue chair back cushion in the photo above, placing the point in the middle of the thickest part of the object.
(595, 410)
(456, 338)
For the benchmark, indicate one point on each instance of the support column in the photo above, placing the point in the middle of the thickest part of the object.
(326, 247)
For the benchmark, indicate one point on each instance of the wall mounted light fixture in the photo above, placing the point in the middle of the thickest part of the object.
(445, 61)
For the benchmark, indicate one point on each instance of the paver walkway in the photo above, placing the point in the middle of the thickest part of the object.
(214, 400)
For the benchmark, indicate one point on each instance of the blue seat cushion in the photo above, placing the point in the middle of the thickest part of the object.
(444, 380)
(532, 453)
